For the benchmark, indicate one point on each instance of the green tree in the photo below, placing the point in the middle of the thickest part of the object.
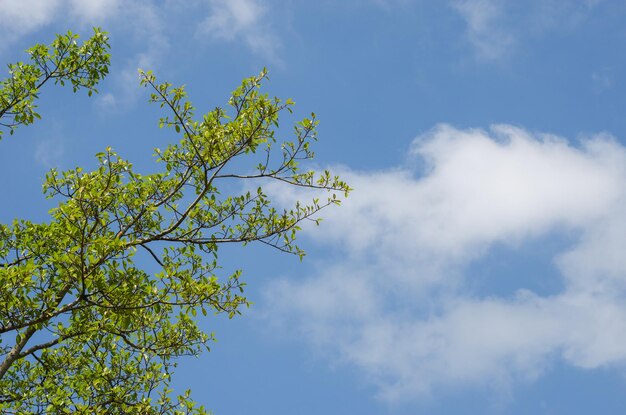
(84, 328)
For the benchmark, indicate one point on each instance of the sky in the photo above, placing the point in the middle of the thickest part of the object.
(478, 265)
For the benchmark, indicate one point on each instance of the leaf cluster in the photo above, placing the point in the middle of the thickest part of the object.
(64, 61)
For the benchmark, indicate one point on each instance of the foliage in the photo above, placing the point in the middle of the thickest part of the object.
(84, 328)
(63, 61)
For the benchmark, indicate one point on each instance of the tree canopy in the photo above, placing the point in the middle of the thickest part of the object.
(85, 327)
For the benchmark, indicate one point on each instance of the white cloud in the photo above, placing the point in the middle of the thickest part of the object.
(496, 27)
(244, 20)
(93, 10)
(25, 16)
(398, 305)
(143, 21)
(229, 18)
(601, 80)
(49, 152)
(107, 101)
(21, 17)
(484, 33)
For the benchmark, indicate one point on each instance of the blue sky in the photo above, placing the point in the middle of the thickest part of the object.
(478, 266)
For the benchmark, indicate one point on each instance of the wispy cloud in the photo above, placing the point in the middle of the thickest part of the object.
(242, 20)
(483, 19)
(22, 17)
(49, 152)
(92, 11)
(399, 306)
(602, 80)
(495, 28)
(145, 23)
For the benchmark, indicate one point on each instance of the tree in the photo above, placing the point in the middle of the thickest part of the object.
(84, 328)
